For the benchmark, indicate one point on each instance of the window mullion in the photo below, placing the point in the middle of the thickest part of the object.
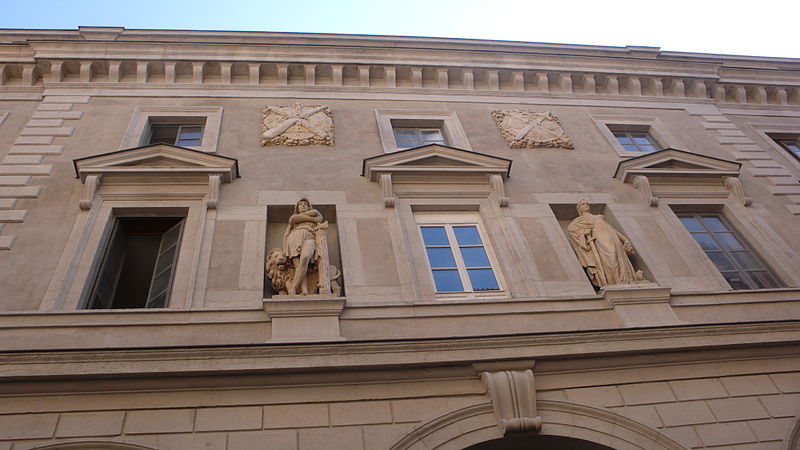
(462, 268)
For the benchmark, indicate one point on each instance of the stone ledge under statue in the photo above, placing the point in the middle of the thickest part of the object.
(312, 318)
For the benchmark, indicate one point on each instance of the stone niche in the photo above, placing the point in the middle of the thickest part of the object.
(277, 221)
(567, 212)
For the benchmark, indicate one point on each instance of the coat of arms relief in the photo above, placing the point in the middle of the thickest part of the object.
(296, 125)
(530, 129)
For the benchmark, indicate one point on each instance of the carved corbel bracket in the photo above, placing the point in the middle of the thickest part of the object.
(90, 187)
(642, 184)
(386, 189)
(214, 184)
(499, 188)
(734, 184)
(513, 396)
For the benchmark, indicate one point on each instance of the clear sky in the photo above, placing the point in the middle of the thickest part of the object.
(763, 28)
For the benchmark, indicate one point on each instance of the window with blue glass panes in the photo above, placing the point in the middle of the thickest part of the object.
(458, 258)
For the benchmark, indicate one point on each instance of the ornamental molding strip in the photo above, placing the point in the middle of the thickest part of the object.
(297, 125)
(530, 129)
(55, 70)
(680, 174)
(438, 171)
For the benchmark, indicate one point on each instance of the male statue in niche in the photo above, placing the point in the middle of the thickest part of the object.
(601, 250)
(302, 267)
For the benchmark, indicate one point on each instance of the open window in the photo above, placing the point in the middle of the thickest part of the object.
(138, 264)
(137, 244)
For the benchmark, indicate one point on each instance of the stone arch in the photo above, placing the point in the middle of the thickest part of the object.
(475, 424)
(794, 438)
(93, 445)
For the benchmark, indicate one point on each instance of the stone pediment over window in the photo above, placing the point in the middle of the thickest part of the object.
(155, 172)
(435, 171)
(681, 174)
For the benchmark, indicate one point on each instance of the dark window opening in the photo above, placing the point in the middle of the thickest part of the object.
(138, 264)
(180, 135)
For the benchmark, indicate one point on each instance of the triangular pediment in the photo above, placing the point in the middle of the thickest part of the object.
(675, 163)
(159, 159)
(435, 159)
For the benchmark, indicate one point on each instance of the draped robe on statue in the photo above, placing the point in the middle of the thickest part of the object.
(605, 257)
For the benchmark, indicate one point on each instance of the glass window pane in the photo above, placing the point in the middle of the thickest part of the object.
(467, 235)
(623, 138)
(706, 241)
(482, 280)
(432, 136)
(475, 257)
(406, 137)
(631, 147)
(163, 134)
(166, 259)
(648, 148)
(729, 241)
(643, 140)
(763, 280)
(440, 257)
(447, 281)
(715, 224)
(747, 260)
(434, 236)
(189, 142)
(160, 283)
(158, 301)
(735, 280)
(721, 261)
(191, 132)
(692, 224)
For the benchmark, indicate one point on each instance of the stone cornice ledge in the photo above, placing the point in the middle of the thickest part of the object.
(276, 358)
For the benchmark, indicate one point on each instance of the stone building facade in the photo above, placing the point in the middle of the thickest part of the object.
(459, 310)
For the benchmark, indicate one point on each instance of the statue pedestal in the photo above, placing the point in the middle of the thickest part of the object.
(304, 318)
(643, 304)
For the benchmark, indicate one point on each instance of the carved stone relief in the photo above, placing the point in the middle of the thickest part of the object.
(530, 129)
(302, 266)
(295, 125)
(602, 250)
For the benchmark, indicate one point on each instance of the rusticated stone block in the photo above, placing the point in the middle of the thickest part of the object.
(160, 421)
(358, 413)
(90, 424)
(296, 416)
(27, 426)
(216, 419)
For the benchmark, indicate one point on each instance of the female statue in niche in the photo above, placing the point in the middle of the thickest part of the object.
(300, 245)
(601, 250)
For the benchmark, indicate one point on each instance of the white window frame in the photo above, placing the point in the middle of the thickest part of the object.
(138, 132)
(447, 121)
(448, 220)
(653, 126)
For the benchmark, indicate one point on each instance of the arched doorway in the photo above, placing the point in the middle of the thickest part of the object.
(576, 426)
(533, 441)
